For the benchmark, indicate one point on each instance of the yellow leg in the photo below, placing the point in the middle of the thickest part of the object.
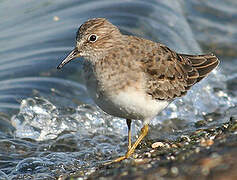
(144, 132)
(129, 133)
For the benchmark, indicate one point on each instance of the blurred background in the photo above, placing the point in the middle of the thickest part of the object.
(48, 124)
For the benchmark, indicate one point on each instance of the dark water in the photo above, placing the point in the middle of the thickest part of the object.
(48, 124)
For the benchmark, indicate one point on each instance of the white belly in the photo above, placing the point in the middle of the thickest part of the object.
(129, 103)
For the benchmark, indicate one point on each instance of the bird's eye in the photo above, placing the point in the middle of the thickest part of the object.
(92, 38)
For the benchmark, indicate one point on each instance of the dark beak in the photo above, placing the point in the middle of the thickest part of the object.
(72, 55)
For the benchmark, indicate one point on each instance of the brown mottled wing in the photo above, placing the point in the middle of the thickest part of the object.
(171, 74)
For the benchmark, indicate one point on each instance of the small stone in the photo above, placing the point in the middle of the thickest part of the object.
(61, 177)
(185, 138)
(206, 142)
(225, 126)
(152, 151)
(197, 150)
(174, 171)
(141, 161)
(172, 157)
(212, 137)
(174, 146)
(157, 144)
(148, 154)
(167, 145)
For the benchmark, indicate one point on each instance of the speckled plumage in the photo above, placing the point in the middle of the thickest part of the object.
(131, 77)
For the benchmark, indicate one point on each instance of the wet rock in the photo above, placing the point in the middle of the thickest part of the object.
(206, 142)
(141, 161)
(207, 153)
(174, 171)
(157, 144)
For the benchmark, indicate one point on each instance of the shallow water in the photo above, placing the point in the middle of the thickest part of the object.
(48, 124)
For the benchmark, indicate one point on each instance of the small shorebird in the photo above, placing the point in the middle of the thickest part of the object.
(131, 77)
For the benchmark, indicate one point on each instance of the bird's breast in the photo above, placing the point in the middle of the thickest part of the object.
(121, 94)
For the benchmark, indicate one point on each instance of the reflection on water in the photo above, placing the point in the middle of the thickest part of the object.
(49, 126)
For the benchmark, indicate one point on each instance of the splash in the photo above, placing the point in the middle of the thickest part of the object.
(39, 119)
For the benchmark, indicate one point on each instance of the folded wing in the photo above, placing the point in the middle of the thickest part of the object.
(170, 74)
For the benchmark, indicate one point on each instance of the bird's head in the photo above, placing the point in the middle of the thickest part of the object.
(94, 39)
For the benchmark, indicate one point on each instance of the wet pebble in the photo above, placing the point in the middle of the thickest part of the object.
(197, 150)
(206, 142)
(170, 158)
(141, 161)
(174, 146)
(174, 171)
(157, 145)
(148, 154)
(185, 138)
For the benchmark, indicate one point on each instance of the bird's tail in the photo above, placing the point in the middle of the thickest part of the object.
(202, 66)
